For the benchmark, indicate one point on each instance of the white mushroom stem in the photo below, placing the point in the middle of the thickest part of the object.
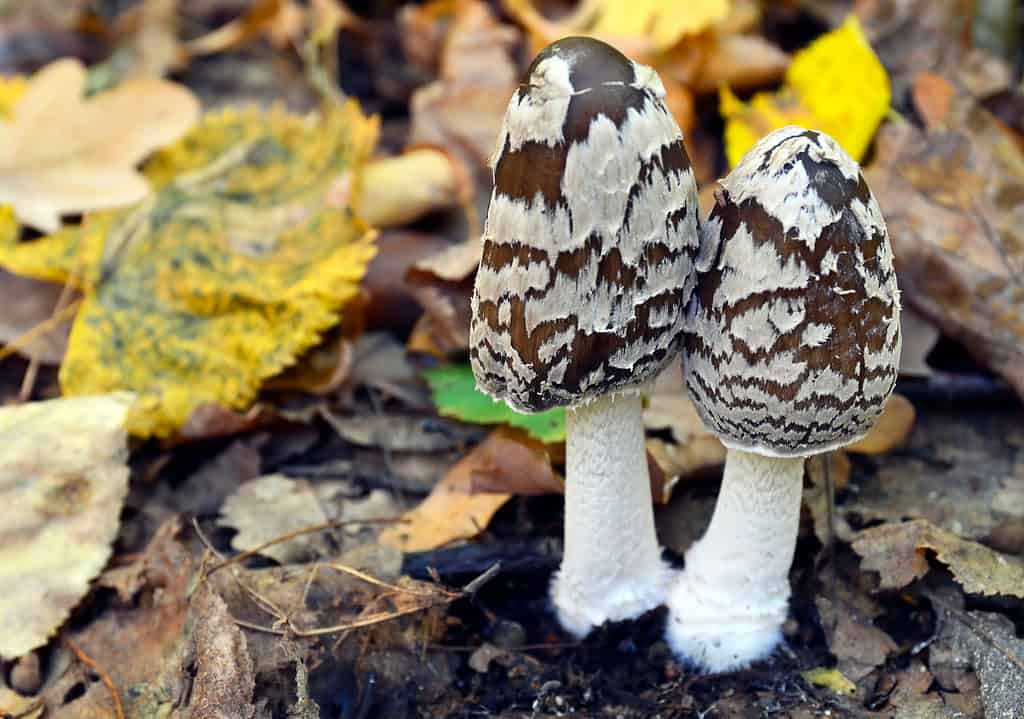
(727, 608)
(611, 565)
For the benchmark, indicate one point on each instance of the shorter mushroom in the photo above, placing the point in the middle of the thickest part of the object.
(792, 348)
(579, 298)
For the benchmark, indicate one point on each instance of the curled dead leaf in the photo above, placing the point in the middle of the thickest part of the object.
(897, 552)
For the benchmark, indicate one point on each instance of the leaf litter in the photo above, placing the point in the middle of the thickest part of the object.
(333, 594)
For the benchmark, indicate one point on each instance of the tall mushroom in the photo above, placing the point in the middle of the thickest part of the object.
(579, 300)
(792, 348)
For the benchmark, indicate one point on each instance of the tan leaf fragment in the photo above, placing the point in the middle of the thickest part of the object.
(394, 191)
(457, 508)
(63, 481)
(897, 552)
(890, 430)
(269, 507)
(62, 153)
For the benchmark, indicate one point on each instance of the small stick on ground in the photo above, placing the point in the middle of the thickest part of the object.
(104, 677)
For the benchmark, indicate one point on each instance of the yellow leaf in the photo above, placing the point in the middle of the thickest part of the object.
(62, 153)
(11, 90)
(836, 85)
(63, 480)
(830, 679)
(238, 262)
(657, 23)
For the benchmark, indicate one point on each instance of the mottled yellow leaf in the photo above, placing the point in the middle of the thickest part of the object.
(238, 262)
(830, 679)
(658, 24)
(837, 85)
(61, 152)
(63, 480)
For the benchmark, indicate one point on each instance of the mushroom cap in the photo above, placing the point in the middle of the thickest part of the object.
(590, 235)
(793, 335)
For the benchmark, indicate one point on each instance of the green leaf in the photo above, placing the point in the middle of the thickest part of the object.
(455, 394)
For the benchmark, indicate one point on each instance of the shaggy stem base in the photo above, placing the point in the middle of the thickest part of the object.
(611, 567)
(727, 608)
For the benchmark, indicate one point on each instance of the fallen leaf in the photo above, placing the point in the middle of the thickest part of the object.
(952, 201)
(454, 391)
(830, 679)
(456, 509)
(280, 20)
(399, 433)
(272, 506)
(919, 337)
(913, 36)
(380, 363)
(259, 252)
(858, 644)
(988, 642)
(395, 191)
(443, 328)
(890, 430)
(63, 481)
(140, 645)
(63, 153)
(836, 85)
(640, 25)
(950, 473)
(897, 552)
(453, 263)
(222, 676)
(463, 109)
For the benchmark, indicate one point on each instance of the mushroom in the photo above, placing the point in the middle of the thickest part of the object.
(586, 269)
(792, 348)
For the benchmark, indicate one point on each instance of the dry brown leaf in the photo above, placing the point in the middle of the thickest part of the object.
(890, 430)
(140, 645)
(223, 681)
(984, 641)
(462, 111)
(63, 480)
(952, 202)
(897, 552)
(858, 645)
(269, 507)
(62, 153)
(443, 330)
(460, 507)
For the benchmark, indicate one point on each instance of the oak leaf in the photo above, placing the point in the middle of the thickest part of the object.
(61, 152)
(238, 263)
(837, 85)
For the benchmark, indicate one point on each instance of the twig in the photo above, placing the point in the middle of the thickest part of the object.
(104, 677)
(42, 328)
(292, 535)
(28, 382)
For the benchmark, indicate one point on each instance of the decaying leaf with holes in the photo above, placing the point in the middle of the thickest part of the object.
(836, 85)
(63, 480)
(259, 250)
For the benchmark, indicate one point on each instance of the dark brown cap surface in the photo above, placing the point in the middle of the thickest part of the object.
(793, 338)
(590, 235)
